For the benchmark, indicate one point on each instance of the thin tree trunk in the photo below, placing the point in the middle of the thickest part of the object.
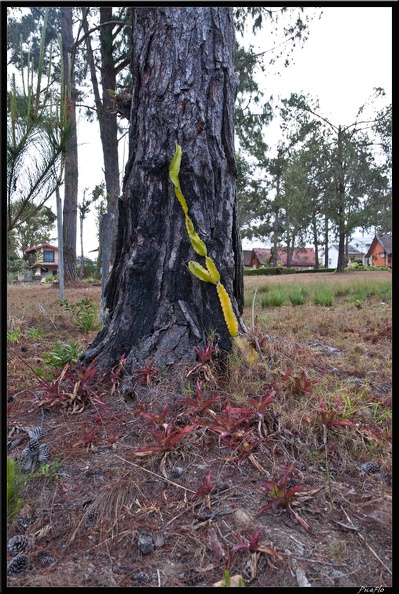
(60, 242)
(183, 93)
(71, 160)
(81, 249)
(110, 129)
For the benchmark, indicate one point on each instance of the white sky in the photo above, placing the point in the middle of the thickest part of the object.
(347, 54)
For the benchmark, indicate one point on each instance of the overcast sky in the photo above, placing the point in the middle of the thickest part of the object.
(347, 54)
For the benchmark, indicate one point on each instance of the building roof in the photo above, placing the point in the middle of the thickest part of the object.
(300, 256)
(384, 240)
(351, 249)
(41, 245)
(262, 254)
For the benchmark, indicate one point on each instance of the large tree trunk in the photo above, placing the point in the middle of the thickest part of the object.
(183, 93)
(71, 161)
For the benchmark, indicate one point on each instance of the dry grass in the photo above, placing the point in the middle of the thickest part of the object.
(89, 505)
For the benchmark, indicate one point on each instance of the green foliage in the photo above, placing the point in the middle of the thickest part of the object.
(227, 580)
(298, 296)
(86, 312)
(50, 278)
(35, 333)
(13, 335)
(62, 354)
(15, 483)
(264, 271)
(323, 295)
(274, 297)
(37, 136)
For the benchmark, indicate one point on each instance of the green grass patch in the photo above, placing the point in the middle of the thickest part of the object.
(274, 297)
(298, 295)
(323, 295)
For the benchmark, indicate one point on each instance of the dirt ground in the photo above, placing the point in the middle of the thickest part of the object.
(110, 510)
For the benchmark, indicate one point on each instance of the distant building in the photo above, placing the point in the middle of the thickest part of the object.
(380, 251)
(43, 259)
(354, 253)
(301, 257)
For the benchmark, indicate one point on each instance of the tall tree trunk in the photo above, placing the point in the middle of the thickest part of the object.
(315, 240)
(340, 190)
(110, 129)
(183, 93)
(71, 160)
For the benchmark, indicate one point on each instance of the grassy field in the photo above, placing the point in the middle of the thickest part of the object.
(305, 402)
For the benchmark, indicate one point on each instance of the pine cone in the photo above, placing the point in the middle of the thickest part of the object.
(44, 453)
(370, 467)
(33, 446)
(18, 565)
(36, 433)
(20, 543)
(25, 459)
(45, 559)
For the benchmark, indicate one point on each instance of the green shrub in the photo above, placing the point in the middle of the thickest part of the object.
(62, 354)
(263, 271)
(86, 312)
(323, 296)
(275, 297)
(50, 278)
(298, 295)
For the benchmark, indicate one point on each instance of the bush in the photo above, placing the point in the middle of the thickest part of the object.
(50, 278)
(323, 296)
(275, 297)
(263, 271)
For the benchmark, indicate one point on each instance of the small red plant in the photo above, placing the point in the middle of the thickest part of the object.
(299, 384)
(328, 417)
(229, 419)
(278, 491)
(204, 489)
(147, 374)
(204, 356)
(199, 403)
(260, 404)
(166, 439)
(250, 542)
(154, 418)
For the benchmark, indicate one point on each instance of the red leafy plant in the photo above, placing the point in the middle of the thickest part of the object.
(261, 404)
(73, 388)
(299, 384)
(204, 489)
(328, 417)
(229, 420)
(243, 443)
(204, 356)
(278, 491)
(147, 374)
(250, 542)
(154, 418)
(200, 403)
(166, 437)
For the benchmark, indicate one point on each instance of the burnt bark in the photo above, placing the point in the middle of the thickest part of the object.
(70, 212)
(184, 89)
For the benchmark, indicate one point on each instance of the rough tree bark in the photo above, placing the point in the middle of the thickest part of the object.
(71, 159)
(184, 89)
(110, 129)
